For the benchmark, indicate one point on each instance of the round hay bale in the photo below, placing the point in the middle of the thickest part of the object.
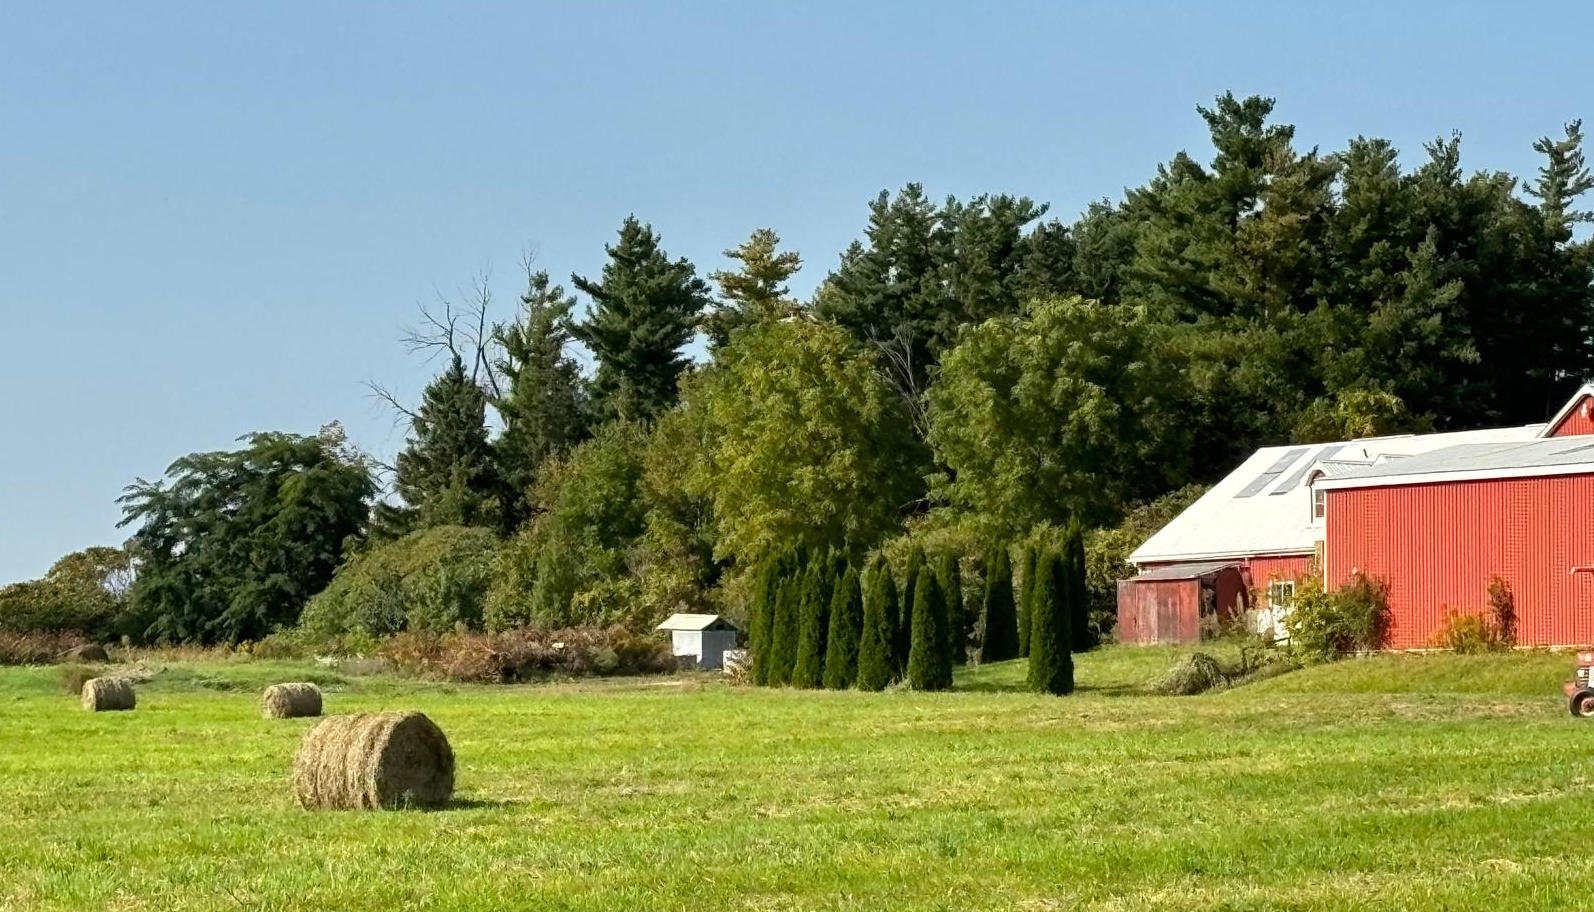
(91, 652)
(374, 760)
(102, 694)
(290, 701)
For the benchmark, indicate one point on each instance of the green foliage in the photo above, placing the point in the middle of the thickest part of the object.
(761, 612)
(644, 311)
(85, 592)
(786, 631)
(1077, 597)
(877, 662)
(1051, 662)
(1354, 618)
(1073, 408)
(233, 543)
(904, 627)
(446, 474)
(1026, 596)
(755, 293)
(1001, 639)
(846, 623)
(809, 668)
(950, 579)
(543, 403)
(1466, 634)
(930, 659)
(1107, 550)
(429, 581)
(801, 442)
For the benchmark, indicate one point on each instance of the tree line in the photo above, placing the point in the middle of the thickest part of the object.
(971, 378)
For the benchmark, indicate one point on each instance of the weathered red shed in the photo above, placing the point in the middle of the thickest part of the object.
(1171, 604)
(1438, 527)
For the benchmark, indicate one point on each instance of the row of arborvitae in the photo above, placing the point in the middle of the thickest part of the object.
(817, 622)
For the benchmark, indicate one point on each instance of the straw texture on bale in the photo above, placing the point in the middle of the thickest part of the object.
(374, 760)
(290, 701)
(101, 694)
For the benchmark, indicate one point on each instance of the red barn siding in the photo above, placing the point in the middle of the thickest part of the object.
(1578, 421)
(1437, 545)
(1289, 566)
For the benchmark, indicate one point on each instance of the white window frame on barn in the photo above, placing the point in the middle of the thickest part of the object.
(1281, 593)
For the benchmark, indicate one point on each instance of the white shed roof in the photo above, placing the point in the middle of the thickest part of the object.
(695, 622)
(1264, 506)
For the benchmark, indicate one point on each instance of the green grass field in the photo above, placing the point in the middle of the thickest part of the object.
(1398, 782)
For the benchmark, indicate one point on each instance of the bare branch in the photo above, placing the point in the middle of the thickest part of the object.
(386, 396)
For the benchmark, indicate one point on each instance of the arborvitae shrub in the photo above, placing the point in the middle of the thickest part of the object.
(929, 660)
(876, 647)
(846, 623)
(809, 668)
(761, 611)
(1026, 595)
(1001, 619)
(904, 633)
(1080, 636)
(1051, 664)
(783, 636)
(950, 578)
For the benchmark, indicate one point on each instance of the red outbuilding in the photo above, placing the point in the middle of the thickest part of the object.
(1435, 516)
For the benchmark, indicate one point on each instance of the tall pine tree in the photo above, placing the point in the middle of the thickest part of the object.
(761, 611)
(1026, 597)
(809, 668)
(1051, 661)
(757, 291)
(846, 623)
(903, 643)
(644, 311)
(950, 576)
(543, 401)
(784, 631)
(446, 474)
(930, 659)
(877, 664)
(1001, 620)
(1080, 637)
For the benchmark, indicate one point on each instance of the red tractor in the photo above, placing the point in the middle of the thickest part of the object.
(1579, 691)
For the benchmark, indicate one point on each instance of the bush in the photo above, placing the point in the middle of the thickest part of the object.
(876, 653)
(1194, 674)
(1051, 660)
(1467, 634)
(18, 648)
(846, 622)
(1354, 618)
(429, 581)
(930, 657)
(84, 592)
(1503, 606)
(527, 655)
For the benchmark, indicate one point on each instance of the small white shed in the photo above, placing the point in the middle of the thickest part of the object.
(705, 637)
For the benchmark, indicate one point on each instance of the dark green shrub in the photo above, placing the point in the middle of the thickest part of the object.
(846, 623)
(1354, 618)
(809, 669)
(903, 645)
(1051, 662)
(949, 577)
(1026, 595)
(930, 658)
(761, 612)
(784, 632)
(876, 655)
(84, 592)
(1078, 595)
(1001, 620)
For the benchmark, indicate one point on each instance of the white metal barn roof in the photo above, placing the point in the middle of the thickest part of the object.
(1265, 506)
(695, 622)
(1552, 456)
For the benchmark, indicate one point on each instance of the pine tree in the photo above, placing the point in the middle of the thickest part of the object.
(1001, 621)
(846, 626)
(903, 644)
(809, 668)
(1078, 592)
(761, 613)
(1026, 597)
(445, 474)
(757, 291)
(950, 577)
(877, 664)
(644, 311)
(784, 632)
(930, 660)
(543, 402)
(1051, 662)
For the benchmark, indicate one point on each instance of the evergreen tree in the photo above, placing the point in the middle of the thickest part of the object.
(930, 659)
(950, 577)
(785, 631)
(644, 311)
(1001, 620)
(445, 474)
(761, 613)
(846, 623)
(809, 668)
(1078, 599)
(1051, 662)
(877, 665)
(904, 626)
(543, 401)
(1026, 597)
(757, 291)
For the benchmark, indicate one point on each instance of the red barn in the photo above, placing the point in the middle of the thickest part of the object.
(1437, 516)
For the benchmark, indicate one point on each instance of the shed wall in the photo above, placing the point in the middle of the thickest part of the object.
(1289, 566)
(1438, 545)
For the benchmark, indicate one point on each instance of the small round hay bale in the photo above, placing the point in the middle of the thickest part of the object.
(90, 652)
(374, 760)
(290, 701)
(102, 694)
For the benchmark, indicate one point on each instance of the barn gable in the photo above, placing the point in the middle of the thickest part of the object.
(1576, 418)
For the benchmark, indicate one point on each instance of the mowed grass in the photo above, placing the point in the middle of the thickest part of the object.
(1401, 782)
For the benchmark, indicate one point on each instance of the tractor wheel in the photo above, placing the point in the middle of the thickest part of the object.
(1582, 704)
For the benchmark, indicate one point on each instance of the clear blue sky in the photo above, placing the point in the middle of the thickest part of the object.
(216, 217)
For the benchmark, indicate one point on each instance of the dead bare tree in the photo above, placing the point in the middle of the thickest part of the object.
(897, 361)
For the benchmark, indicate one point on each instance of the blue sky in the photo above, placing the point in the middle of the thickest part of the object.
(217, 217)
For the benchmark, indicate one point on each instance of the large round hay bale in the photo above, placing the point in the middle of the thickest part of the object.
(374, 760)
(101, 694)
(90, 652)
(290, 701)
